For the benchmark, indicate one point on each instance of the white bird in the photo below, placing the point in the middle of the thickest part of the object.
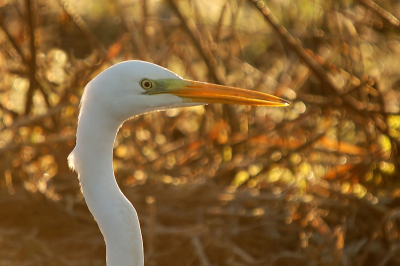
(120, 92)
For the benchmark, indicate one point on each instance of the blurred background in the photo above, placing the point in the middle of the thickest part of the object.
(316, 183)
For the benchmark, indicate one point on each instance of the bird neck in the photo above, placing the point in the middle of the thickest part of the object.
(115, 215)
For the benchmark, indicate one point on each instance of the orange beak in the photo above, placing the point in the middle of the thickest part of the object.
(201, 92)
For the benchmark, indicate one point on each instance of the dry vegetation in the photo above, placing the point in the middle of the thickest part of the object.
(313, 184)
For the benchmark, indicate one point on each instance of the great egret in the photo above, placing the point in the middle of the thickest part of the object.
(120, 92)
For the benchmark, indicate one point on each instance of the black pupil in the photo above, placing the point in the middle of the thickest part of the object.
(147, 84)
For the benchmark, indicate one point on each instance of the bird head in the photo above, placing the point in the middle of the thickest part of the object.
(134, 87)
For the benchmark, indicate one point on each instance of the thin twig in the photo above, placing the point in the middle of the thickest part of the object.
(198, 247)
(48, 142)
(195, 35)
(32, 60)
(13, 43)
(27, 121)
(296, 46)
(382, 13)
(136, 38)
(78, 20)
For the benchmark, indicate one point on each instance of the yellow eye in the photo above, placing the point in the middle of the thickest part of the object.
(146, 84)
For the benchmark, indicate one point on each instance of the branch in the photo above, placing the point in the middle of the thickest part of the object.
(296, 46)
(130, 27)
(32, 60)
(198, 247)
(78, 20)
(26, 120)
(382, 13)
(13, 43)
(195, 35)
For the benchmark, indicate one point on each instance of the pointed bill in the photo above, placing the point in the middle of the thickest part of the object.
(201, 92)
(212, 93)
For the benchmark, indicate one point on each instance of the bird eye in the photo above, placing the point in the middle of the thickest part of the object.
(146, 84)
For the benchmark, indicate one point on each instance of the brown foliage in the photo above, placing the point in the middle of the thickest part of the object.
(313, 184)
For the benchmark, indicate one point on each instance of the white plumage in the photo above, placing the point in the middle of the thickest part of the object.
(120, 92)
